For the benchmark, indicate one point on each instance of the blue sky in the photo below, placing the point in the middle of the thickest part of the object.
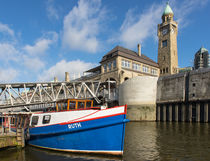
(42, 39)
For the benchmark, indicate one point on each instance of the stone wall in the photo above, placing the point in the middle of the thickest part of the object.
(199, 85)
(184, 87)
(171, 88)
(184, 97)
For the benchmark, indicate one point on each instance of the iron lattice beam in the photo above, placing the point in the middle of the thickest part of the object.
(27, 94)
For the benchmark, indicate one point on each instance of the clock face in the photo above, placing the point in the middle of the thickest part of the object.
(164, 31)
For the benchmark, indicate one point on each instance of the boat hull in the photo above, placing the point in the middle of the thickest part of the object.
(102, 135)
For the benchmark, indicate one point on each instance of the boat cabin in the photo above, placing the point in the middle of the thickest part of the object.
(73, 104)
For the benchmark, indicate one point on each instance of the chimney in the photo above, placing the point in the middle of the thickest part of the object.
(67, 78)
(139, 49)
(55, 79)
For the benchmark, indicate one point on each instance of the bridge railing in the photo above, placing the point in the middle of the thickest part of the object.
(25, 95)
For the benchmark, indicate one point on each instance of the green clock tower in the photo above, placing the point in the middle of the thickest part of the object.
(167, 44)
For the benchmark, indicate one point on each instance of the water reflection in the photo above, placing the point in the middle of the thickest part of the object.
(141, 141)
(35, 154)
(167, 141)
(144, 141)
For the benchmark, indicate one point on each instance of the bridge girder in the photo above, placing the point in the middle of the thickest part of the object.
(23, 95)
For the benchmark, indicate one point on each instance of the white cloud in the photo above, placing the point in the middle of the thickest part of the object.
(51, 10)
(82, 25)
(59, 69)
(34, 64)
(8, 52)
(42, 44)
(5, 29)
(137, 27)
(8, 75)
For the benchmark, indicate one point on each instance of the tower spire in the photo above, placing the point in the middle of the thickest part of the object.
(167, 45)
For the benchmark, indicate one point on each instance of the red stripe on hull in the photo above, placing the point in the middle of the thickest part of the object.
(92, 119)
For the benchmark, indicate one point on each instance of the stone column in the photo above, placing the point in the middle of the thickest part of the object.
(67, 78)
(55, 79)
(176, 113)
(170, 112)
(189, 116)
(206, 111)
(183, 113)
(164, 113)
(198, 112)
(158, 112)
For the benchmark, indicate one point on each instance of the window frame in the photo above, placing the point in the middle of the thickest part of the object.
(125, 63)
(164, 43)
(32, 121)
(46, 121)
(105, 67)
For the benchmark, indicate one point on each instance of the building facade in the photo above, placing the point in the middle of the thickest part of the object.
(121, 64)
(167, 44)
(202, 59)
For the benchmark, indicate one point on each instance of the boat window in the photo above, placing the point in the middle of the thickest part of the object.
(34, 120)
(88, 104)
(62, 106)
(81, 105)
(46, 119)
(72, 105)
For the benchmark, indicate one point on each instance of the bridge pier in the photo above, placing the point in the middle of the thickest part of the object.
(183, 107)
(170, 112)
(158, 113)
(189, 115)
(198, 111)
(164, 113)
(183, 112)
(206, 111)
(176, 113)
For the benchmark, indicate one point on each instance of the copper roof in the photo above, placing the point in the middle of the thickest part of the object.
(129, 54)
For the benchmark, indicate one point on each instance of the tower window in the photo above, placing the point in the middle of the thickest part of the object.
(164, 43)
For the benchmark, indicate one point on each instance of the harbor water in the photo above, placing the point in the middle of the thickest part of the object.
(144, 141)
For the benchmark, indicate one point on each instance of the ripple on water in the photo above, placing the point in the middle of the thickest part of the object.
(144, 141)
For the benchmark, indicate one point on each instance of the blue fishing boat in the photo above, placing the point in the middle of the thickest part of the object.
(77, 126)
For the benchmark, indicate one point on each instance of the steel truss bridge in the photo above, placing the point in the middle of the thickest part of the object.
(30, 96)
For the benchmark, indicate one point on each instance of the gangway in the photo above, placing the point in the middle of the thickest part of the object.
(18, 96)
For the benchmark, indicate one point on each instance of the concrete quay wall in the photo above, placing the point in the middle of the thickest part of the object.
(171, 88)
(184, 97)
(139, 93)
(184, 87)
